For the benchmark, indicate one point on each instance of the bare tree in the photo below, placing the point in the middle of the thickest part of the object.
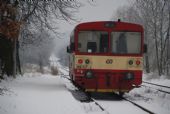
(46, 14)
(154, 16)
(42, 15)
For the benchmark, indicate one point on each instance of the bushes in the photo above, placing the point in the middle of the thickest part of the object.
(54, 70)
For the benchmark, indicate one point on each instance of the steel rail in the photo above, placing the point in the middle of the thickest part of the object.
(156, 84)
(157, 89)
(139, 106)
(90, 99)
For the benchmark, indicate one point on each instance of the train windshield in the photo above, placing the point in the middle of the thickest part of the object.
(93, 41)
(126, 42)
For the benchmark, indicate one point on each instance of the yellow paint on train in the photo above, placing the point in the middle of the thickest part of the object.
(108, 62)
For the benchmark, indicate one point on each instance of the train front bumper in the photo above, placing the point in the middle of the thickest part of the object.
(108, 81)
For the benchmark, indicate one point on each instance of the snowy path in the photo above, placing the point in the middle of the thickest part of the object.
(34, 94)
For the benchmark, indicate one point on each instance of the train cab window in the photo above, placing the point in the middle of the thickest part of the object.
(93, 41)
(91, 47)
(126, 42)
(121, 45)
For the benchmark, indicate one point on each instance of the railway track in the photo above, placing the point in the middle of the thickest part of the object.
(139, 106)
(87, 98)
(161, 89)
(84, 97)
(156, 84)
(80, 94)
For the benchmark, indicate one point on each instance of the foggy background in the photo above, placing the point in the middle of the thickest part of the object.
(47, 43)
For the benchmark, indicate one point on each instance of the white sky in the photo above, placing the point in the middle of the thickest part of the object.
(102, 10)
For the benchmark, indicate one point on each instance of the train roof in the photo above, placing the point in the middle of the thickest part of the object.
(109, 25)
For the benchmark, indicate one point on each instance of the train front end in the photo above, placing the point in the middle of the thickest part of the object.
(107, 58)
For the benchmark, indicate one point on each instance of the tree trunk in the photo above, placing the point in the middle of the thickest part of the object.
(156, 48)
(147, 67)
(17, 58)
(147, 63)
(14, 58)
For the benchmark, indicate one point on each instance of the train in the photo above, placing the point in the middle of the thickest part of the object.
(106, 56)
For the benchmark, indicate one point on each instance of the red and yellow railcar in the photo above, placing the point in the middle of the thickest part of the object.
(106, 56)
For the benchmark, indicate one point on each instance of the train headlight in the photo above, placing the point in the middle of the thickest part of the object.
(80, 61)
(130, 62)
(138, 62)
(89, 74)
(129, 76)
(87, 61)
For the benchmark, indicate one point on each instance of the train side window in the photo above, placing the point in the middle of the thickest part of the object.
(71, 47)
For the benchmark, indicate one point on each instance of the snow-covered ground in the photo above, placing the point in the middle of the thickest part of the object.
(35, 93)
(151, 98)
